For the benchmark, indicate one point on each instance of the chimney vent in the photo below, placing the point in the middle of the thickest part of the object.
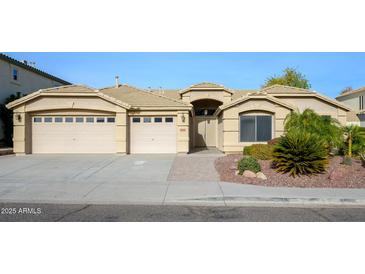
(117, 81)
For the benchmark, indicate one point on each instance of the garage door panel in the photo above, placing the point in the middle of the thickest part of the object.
(153, 137)
(73, 137)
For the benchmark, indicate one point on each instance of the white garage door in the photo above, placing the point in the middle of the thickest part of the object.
(153, 135)
(78, 134)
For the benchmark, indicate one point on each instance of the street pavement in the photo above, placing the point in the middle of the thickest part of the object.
(18, 212)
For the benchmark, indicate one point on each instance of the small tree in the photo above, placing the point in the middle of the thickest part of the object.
(6, 116)
(354, 139)
(327, 128)
(291, 77)
(346, 89)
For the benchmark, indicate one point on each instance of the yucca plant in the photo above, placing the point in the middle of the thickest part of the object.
(300, 153)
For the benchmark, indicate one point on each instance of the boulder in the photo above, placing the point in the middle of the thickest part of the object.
(233, 167)
(261, 176)
(237, 172)
(249, 174)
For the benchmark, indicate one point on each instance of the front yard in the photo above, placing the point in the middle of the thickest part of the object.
(337, 175)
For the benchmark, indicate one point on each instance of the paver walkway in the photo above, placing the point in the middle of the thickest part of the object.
(195, 167)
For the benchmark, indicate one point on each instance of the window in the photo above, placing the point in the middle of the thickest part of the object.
(255, 128)
(58, 119)
(169, 120)
(136, 120)
(15, 74)
(48, 119)
(79, 119)
(110, 120)
(89, 119)
(158, 120)
(69, 119)
(100, 119)
(361, 102)
(147, 120)
(37, 119)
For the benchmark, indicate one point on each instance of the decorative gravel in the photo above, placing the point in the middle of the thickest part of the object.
(336, 176)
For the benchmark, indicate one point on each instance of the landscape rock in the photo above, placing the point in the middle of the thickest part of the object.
(261, 176)
(237, 172)
(249, 174)
(233, 167)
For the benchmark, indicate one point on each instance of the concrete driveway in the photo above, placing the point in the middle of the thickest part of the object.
(136, 179)
(77, 178)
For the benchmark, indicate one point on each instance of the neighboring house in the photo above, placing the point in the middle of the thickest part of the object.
(125, 119)
(355, 100)
(16, 76)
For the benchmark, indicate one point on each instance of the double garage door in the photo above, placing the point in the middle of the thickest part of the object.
(73, 134)
(152, 134)
(97, 134)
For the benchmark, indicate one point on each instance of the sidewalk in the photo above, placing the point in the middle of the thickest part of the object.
(189, 193)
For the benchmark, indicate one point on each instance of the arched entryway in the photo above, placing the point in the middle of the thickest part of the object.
(204, 124)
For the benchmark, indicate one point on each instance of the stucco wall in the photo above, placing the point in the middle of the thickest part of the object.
(230, 117)
(352, 100)
(27, 82)
(220, 140)
(318, 105)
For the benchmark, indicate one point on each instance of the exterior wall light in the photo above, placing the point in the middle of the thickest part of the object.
(183, 118)
(19, 118)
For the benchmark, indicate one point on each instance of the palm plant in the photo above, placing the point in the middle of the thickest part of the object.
(354, 139)
(327, 128)
(300, 153)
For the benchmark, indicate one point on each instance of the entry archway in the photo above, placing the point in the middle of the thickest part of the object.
(205, 123)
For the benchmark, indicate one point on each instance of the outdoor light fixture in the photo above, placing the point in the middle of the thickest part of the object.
(205, 112)
(19, 118)
(183, 118)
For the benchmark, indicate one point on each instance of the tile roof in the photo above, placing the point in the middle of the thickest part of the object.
(280, 89)
(355, 91)
(141, 98)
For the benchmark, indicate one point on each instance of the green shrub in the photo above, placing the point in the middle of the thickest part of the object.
(300, 153)
(247, 150)
(248, 163)
(328, 129)
(259, 151)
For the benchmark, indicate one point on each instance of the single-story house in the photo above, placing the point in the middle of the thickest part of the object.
(124, 119)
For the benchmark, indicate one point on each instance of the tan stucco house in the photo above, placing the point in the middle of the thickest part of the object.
(124, 119)
(22, 77)
(355, 100)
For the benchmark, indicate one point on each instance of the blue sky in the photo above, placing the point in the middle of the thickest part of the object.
(328, 73)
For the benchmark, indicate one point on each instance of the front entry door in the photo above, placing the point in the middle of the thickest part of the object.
(205, 131)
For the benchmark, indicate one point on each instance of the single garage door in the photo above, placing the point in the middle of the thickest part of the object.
(76, 134)
(153, 135)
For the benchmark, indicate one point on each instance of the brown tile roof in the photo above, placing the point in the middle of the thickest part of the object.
(69, 89)
(141, 98)
(280, 89)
